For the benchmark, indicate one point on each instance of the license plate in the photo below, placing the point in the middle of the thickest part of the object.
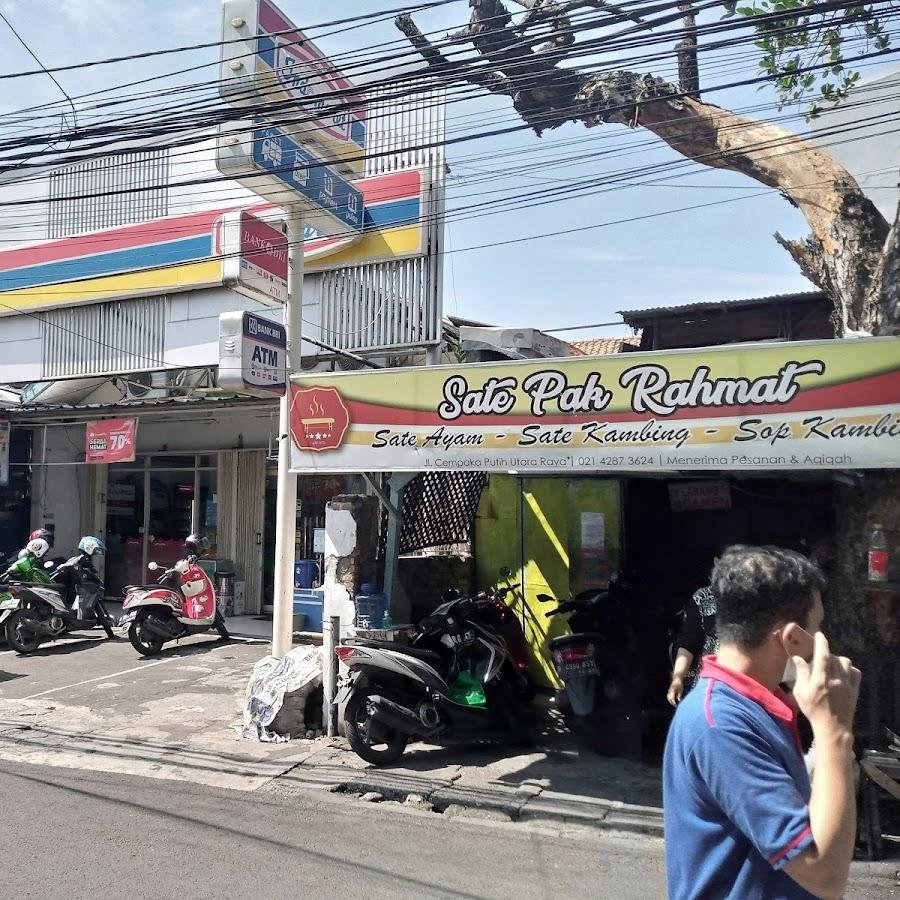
(582, 667)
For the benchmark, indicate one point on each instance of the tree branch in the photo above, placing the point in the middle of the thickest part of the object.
(844, 253)
(491, 81)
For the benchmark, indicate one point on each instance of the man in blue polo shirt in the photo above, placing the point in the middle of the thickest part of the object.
(741, 818)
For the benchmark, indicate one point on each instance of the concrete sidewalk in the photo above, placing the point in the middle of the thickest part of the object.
(556, 784)
(89, 703)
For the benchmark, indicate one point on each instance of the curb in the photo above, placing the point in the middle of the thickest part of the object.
(528, 804)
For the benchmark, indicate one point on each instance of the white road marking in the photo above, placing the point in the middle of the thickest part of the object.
(109, 675)
(65, 687)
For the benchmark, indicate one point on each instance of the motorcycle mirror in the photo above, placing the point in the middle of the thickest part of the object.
(152, 566)
(505, 571)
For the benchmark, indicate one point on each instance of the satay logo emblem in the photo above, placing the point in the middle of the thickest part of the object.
(319, 419)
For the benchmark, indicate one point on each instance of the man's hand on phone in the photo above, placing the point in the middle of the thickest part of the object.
(826, 690)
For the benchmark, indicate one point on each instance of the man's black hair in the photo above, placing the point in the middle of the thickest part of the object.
(758, 588)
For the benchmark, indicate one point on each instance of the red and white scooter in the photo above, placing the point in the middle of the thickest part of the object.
(182, 603)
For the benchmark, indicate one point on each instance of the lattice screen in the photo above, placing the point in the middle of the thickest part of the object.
(439, 509)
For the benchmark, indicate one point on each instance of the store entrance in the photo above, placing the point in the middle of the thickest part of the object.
(675, 527)
(153, 504)
(313, 493)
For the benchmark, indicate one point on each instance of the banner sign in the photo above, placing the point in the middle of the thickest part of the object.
(252, 355)
(255, 260)
(809, 405)
(265, 56)
(111, 441)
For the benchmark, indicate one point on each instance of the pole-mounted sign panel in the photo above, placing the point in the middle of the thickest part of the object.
(254, 257)
(273, 164)
(252, 355)
(265, 56)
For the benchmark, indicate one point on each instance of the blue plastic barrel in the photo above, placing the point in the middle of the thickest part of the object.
(306, 573)
(371, 605)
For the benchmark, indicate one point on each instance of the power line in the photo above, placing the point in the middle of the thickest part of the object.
(582, 49)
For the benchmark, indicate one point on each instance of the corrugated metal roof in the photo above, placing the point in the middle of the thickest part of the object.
(604, 346)
(711, 305)
(35, 411)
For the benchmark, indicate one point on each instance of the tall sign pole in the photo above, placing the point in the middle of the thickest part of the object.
(286, 502)
(266, 58)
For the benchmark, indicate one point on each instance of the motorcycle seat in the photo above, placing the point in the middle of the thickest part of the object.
(427, 656)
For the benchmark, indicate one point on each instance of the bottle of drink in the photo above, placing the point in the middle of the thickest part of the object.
(878, 555)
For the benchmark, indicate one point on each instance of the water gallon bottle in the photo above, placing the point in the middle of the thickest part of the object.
(878, 555)
(306, 573)
(370, 606)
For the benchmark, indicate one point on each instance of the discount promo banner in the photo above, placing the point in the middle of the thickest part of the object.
(111, 441)
(806, 405)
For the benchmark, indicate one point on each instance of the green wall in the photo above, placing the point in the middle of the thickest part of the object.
(534, 526)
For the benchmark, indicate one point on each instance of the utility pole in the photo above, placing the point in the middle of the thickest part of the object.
(286, 497)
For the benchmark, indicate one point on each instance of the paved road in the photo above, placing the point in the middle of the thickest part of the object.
(69, 670)
(81, 834)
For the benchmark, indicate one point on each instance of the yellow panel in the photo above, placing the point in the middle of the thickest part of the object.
(550, 510)
(389, 244)
(546, 566)
(113, 287)
(593, 495)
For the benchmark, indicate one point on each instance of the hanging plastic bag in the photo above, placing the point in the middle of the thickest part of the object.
(467, 691)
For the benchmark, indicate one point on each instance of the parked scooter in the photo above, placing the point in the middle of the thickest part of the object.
(396, 693)
(498, 616)
(36, 612)
(180, 604)
(597, 664)
(31, 564)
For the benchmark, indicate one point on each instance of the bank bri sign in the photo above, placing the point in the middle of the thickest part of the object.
(808, 405)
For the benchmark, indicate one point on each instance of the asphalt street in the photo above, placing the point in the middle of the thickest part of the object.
(84, 720)
(70, 669)
(73, 834)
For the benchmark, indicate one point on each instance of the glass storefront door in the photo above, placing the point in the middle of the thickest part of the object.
(153, 504)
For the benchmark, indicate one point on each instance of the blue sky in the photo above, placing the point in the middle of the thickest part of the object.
(718, 253)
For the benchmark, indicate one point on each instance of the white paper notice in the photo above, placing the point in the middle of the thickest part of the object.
(593, 531)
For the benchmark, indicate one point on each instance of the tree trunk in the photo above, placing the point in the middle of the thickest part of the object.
(848, 232)
(883, 304)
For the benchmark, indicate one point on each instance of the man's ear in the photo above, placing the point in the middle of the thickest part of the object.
(794, 639)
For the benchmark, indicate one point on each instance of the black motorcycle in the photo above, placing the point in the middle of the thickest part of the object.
(599, 664)
(455, 679)
(35, 613)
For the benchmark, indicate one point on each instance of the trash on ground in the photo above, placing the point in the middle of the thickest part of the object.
(280, 701)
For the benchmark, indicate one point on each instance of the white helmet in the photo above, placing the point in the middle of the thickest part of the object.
(38, 548)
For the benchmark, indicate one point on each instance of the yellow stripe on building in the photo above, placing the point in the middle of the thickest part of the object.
(388, 244)
(113, 287)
